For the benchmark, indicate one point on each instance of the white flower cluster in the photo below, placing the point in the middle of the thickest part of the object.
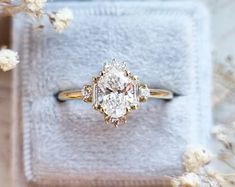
(194, 159)
(186, 180)
(225, 135)
(8, 59)
(35, 6)
(61, 19)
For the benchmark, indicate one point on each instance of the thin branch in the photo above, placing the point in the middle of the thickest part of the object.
(228, 164)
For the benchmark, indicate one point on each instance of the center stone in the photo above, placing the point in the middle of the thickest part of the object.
(115, 92)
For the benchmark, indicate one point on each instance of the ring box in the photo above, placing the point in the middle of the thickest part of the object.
(165, 44)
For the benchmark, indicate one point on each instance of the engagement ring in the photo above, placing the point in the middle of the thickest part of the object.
(115, 93)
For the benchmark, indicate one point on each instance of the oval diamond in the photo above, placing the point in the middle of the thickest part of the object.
(115, 92)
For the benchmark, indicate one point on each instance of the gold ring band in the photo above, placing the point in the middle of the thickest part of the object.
(77, 94)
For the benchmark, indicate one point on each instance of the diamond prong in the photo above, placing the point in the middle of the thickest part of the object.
(95, 79)
(101, 110)
(134, 77)
(134, 107)
(95, 107)
(115, 124)
(106, 119)
(128, 110)
(142, 99)
(98, 107)
(102, 73)
(127, 73)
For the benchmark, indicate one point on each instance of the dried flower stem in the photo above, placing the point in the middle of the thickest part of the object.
(228, 174)
(228, 164)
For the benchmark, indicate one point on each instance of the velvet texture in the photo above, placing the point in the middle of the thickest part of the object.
(166, 45)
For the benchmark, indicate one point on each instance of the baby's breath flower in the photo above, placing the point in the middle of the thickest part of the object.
(35, 7)
(8, 59)
(187, 180)
(190, 180)
(216, 177)
(218, 129)
(205, 179)
(222, 135)
(175, 182)
(61, 19)
(194, 158)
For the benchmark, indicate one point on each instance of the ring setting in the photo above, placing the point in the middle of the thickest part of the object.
(115, 92)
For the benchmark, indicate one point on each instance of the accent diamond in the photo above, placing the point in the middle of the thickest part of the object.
(144, 92)
(87, 93)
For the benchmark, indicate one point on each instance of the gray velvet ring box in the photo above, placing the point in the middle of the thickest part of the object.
(165, 44)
